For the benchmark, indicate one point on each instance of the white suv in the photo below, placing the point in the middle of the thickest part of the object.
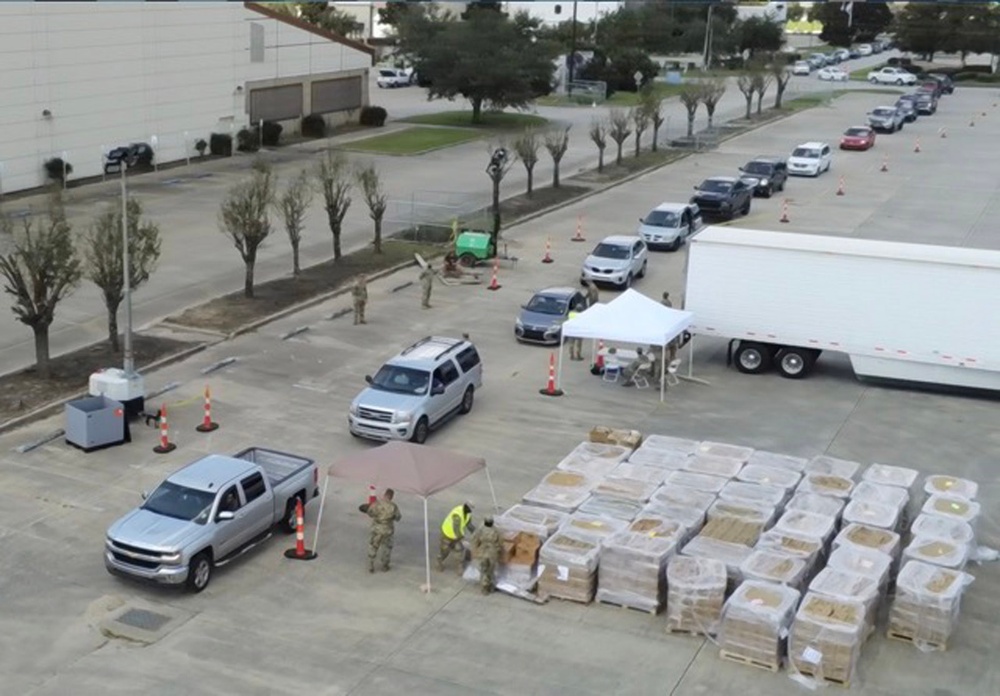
(418, 390)
(616, 261)
(392, 77)
(810, 159)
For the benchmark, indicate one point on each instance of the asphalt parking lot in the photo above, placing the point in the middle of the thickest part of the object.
(267, 625)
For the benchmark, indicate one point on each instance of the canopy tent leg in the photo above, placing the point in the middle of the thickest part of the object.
(493, 493)
(427, 551)
(691, 356)
(319, 517)
(663, 372)
(562, 342)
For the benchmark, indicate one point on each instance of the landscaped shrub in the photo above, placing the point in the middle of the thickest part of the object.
(373, 116)
(313, 126)
(220, 144)
(970, 76)
(57, 169)
(272, 133)
(200, 145)
(248, 140)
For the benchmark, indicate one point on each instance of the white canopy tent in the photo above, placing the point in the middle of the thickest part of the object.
(629, 318)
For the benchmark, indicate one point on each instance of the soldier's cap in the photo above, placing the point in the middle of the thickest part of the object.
(488, 521)
(666, 295)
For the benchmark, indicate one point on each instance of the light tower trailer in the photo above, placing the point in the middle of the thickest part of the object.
(909, 312)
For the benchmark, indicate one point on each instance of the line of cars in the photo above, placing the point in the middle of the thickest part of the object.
(825, 64)
(907, 109)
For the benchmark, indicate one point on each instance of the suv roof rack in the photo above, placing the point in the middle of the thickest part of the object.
(450, 343)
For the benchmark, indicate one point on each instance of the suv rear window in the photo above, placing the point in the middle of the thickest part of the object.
(468, 358)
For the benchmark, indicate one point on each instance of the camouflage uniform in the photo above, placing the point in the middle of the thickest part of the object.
(384, 514)
(426, 283)
(672, 346)
(360, 295)
(628, 374)
(593, 296)
(486, 545)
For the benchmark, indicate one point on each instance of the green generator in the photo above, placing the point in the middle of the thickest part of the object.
(473, 246)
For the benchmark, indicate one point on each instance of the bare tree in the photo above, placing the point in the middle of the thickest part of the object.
(103, 257)
(782, 75)
(376, 199)
(691, 94)
(653, 106)
(292, 206)
(526, 147)
(745, 83)
(41, 269)
(713, 90)
(557, 142)
(243, 217)
(640, 122)
(599, 136)
(619, 130)
(761, 81)
(335, 183)
(501, 160)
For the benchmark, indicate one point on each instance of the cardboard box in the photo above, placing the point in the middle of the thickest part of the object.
(524, 550)
(612, 436)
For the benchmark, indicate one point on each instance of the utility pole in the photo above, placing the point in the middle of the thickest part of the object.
(708, 40)
(129, 365)
(572, 54)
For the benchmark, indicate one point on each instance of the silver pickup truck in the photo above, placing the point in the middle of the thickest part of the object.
(207, 514)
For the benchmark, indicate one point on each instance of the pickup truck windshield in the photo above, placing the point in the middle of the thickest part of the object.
(401, 380)
(715, 186)
(758, 168)
(171, 500)
(661, 218)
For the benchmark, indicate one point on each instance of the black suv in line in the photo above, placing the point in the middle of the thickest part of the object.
(765, 175)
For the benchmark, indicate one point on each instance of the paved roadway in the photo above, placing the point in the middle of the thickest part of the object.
(270, 626)
(198, 262)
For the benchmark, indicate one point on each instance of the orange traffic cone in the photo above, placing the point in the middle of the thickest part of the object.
(300, 552)
(578, 235)
(207, 425)
(548, 251)
(372, 497)
(494, 285)
(165, 444)
(916, 148)
(840, 187)
(599, 362)
(885, 164)
(784, 211)
(550, 388)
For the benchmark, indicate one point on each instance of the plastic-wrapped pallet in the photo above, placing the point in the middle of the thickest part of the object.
(868, 562)
(714, 466)
(594, 526)
(844, 584)
(872, 513)
(772, 566)
(542, 522)
(941, 552)
(639, 472)
(895, 496)
(651, 523)
(953, 507)
(561, 490)
(625, 489)
(780, 461)
(602, 434)
(721, 449)
(925, 608)
(809, 549)
(759, 514)
(807, 524)
(826, 484)
(611, 507)
(631, 571)
(692, 519)
(832, 466)
(594, 459)
(819, 504)
(696, 592)
(700, 482)
(938, 527)
(862, 536)
(568, 564)
(740, 491)
(826, 638)
(732, 554)
(786, 479)
(888, 475)
(666, 443)
(673, 494)
(950, 485)
(755, 622)
(667, 459)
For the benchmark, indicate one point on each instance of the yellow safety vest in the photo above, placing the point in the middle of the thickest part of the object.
(572, 315)
(446, 526)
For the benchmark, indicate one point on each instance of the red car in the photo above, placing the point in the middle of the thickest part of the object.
(858, 138)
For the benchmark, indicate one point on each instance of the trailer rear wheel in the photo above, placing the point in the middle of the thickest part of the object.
(796, 363)
(753, 358)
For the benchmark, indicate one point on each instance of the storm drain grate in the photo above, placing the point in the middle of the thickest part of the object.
(144, 619)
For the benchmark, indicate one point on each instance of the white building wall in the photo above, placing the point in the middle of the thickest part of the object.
(114, 73)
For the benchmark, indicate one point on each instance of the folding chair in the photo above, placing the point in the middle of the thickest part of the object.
(612, 370)
(672, 367)
(641, 377)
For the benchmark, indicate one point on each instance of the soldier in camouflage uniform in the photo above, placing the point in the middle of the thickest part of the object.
(426, 283)
(360, 295)
(385, 515)
(486, 545)
(593, 296)
(672, 346)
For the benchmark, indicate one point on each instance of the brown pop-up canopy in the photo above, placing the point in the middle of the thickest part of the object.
(410, 468)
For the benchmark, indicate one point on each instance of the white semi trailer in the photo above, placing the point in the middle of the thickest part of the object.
(910, 312)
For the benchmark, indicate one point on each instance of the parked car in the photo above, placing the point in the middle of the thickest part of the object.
(947, 84)
(810, 159)
(854, 53)
(669, 224)
(931, 86)
(865, 49)
(926, 102)
(134, 155)
(892, 76)
(841, 54)
(858, 138)
(832, 74)
(617, 261)
(908, 105)
(802, 67)
(541, 320)
(418, 390)
(886, 118)
(723, 197)
(207, 514)
(817, 60)
(392, 77)
(765, 175)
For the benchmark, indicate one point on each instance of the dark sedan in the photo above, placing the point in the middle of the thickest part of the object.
(927, 103)
(908, 105)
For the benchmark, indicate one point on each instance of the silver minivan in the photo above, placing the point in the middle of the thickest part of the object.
(418, 390)
(667, 225)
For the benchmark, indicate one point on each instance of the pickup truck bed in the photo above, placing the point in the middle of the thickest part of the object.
(278, 466)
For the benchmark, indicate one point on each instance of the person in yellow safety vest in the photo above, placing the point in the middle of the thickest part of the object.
(453, 530)
(575, 344)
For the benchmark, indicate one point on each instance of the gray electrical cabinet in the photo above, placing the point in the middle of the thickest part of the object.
(95, 421)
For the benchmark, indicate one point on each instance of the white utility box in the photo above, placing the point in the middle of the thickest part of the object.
(115, 384)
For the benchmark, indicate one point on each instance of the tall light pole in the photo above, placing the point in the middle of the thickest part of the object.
(129, 365)
(572, 53)
(708, 39)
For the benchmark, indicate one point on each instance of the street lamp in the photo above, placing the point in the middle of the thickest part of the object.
(129, 365)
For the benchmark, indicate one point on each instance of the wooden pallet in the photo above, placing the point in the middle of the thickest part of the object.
(829, 680)
(643, 610)
(744, 660)
(547, 597)
(912, 640)
(694, 632)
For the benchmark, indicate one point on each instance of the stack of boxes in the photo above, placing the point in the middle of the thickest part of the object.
(826, 638)
(755, 621)
(696, 593)
(633, 562)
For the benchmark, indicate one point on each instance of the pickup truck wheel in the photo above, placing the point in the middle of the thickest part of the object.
(795, 363)
(899, 82)
(753, 358)
(468, 398)
(420, 432)
(873, 80)
(289, 523)
(200, 572)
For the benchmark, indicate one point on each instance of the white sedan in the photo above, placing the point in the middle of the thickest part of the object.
(801, 67)
(892, 76)
(832, 74)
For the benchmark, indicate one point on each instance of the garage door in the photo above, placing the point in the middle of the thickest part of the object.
(276, 103)
(342, 94)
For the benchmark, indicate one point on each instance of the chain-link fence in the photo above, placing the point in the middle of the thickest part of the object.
(429, 216)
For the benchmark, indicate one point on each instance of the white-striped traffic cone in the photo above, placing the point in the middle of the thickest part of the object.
(207, 424)
(300, 552)
(165, 444)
